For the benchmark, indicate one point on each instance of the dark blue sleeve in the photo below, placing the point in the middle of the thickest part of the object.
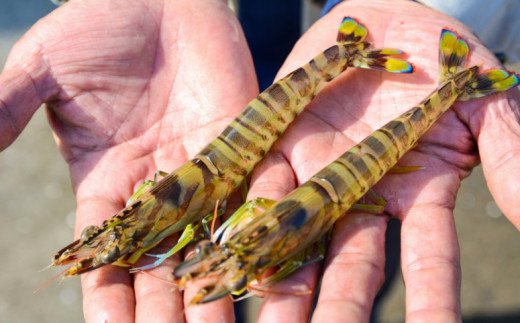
(271, 27)
(329, 5)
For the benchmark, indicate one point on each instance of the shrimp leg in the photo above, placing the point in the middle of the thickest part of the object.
(145, 186)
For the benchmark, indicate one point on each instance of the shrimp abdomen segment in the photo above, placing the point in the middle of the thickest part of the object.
(246, 140)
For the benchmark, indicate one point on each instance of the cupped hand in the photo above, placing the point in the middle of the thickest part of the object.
(349, 109)
(131, 86)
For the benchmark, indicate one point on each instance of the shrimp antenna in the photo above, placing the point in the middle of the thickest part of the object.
(243, 297)
(280, 292)
(50, 280)
(255, 289)
(159, 278)
(45, 268)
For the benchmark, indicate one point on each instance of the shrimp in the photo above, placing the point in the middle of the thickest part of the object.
(278, 232)
(189, 193)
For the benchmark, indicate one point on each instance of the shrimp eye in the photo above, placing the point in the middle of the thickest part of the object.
(111, 255)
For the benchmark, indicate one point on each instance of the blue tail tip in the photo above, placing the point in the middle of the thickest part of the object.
(410, 68)
(445, 32)
(347, 18)
(516, 77)
(449, 31)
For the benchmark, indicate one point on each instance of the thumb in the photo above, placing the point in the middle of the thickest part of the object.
(25, 84)
(499, 146)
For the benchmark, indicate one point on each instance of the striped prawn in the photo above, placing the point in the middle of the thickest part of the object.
(264, 234)
(182, 198)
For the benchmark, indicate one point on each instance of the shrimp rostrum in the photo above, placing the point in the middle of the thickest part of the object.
(189, 193)
(282, 231)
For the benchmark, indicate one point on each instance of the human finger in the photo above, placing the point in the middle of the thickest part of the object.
(157, 298)
(354, 269)
(430, 257)
(22, 90)
(108, 294)
(220, 310)
(274, 178)
(498, 137)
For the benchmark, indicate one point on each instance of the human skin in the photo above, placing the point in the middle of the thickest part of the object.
(485, 130)
(134, 86)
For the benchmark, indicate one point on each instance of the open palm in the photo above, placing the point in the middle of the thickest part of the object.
(132, 86)
(352, 107)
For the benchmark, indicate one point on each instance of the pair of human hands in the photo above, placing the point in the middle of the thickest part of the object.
(133, 86)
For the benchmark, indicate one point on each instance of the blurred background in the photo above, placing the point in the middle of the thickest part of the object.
(37, 214)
